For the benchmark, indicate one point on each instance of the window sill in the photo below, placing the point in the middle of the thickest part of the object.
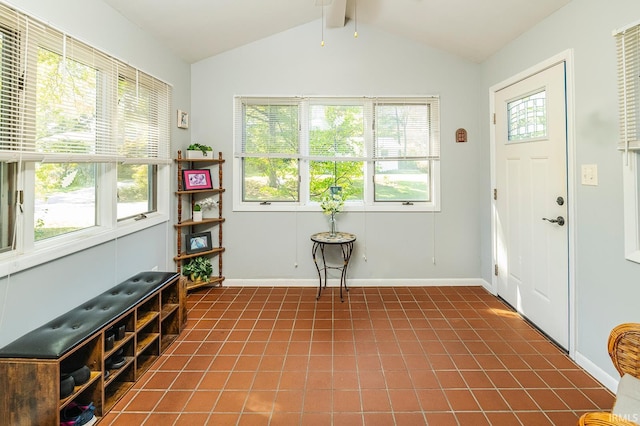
(391, 207)
(47, 251)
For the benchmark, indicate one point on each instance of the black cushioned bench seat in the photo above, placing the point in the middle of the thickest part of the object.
(62, 334)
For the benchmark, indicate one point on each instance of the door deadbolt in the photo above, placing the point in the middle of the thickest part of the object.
(560, 201)
(559, 220)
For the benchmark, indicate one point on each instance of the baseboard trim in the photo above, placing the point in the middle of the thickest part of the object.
(359, 282)
(598, 373)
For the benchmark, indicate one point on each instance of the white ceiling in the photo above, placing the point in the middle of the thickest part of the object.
(472, 29)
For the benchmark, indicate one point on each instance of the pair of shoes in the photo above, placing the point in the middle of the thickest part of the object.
(69, 380)
(116, 360)
(78, 415)
(112, 335)
(67, 384)
(120, 332)
(109, 340)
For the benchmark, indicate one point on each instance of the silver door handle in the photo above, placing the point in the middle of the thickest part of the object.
(559, 220)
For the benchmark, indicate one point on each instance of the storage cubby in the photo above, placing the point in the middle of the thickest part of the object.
(147, 356)
(147, 312)
(170, 314)
(118, 384)
(89, 355)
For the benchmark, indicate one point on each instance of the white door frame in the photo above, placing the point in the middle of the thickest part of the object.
(566, 57)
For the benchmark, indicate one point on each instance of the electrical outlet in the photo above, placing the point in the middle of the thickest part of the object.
(589, 174)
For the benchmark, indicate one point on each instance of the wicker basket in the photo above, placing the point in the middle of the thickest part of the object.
(624, 350)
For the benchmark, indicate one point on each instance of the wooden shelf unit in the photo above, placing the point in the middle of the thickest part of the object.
(32, 386)
(186, 225)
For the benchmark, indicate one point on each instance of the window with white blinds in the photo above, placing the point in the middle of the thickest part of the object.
(628, 59)
(628, 54)
(407, 129)
(377, 150)
(64, 101)
(84, 140)
(406, 140)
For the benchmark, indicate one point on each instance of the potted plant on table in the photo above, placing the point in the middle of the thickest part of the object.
(197, 150)
(198, 269)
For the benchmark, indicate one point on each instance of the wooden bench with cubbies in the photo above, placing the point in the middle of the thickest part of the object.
(111, 339)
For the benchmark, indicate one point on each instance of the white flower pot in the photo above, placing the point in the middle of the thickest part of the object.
(197, 216)
(195, 154)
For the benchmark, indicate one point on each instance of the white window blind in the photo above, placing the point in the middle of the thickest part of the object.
(403, 128)
(407, 129)
(268, 127)
(64, 101)
(336, 130)
(143, 117)
(628, 53)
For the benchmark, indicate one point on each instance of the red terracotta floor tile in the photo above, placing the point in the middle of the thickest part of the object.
(347, 401)
(502, 418)
(441, 419)
(145, 400)
(475, 418)
(412, 355)
(161, 419)
(375, 400)
(202, 401)
(173, 401)
(490, 400)
(347, 419)
(433, 400)
(317, 401)
(461, 400)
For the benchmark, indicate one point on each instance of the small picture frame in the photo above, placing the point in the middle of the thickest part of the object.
(196, 179)
(183, 119)
(198, 242)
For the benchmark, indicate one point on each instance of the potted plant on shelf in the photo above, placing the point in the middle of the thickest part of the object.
(198, 269)
(197, 150)
(197, 213)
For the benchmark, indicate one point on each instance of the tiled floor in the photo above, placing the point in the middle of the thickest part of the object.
(406, 356)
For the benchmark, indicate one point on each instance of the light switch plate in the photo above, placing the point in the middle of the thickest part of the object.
(590, 174)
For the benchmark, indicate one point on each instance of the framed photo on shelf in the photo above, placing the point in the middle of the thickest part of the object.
(198, 242)
(195, 179)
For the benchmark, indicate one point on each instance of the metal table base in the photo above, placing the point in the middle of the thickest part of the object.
(342, 239)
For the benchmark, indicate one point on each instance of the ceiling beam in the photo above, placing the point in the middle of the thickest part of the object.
(336, 14)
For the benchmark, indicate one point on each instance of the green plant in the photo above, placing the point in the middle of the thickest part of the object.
(197, 208)
(198, 268)
(199, 147)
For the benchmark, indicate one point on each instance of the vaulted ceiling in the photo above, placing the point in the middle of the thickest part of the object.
(471, 29)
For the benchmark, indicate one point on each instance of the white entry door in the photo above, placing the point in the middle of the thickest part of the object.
(532, 253)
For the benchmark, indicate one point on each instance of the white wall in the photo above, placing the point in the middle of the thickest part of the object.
(398, 246)
(607, 286)
(35, 296)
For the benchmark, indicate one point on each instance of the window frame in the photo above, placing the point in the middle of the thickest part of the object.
(27, 252)
(368, 202)
(628, 65)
